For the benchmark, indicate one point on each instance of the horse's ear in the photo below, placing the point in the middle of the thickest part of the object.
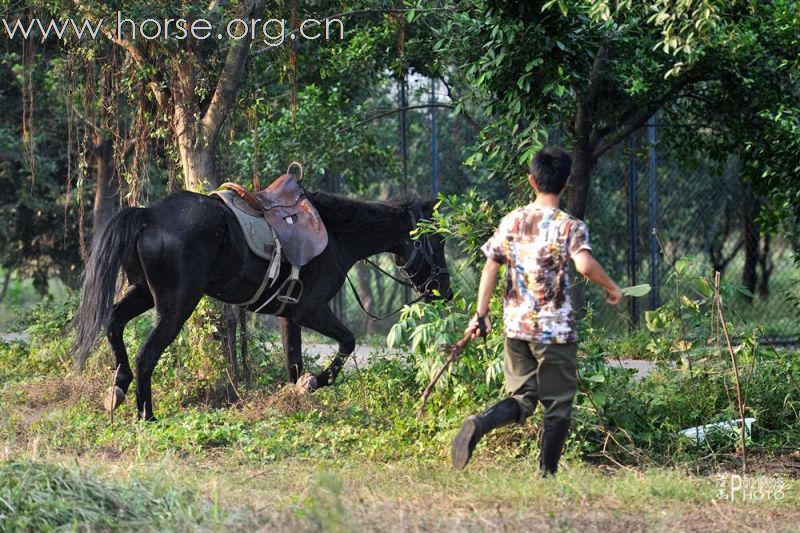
(428, 206)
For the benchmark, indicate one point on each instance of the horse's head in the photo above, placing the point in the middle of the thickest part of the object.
(421, 260)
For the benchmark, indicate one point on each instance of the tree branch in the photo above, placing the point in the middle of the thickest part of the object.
(230, 78)
(596, 77)
(587, 101)
(138, 57)
(393, 111)
(638, 117)
(451, 95)
(84, 119)
(212, 5)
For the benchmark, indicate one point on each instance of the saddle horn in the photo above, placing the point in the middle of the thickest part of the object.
(298, 165)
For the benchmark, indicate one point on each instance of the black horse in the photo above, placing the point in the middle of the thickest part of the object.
(189, 244)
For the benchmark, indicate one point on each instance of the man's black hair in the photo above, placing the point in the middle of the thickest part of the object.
(550, 168)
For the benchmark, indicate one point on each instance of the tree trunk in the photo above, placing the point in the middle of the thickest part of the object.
(750, 238)
(6, 283)
(766, 267)
(197, 124)
(195, 145)
(580, 181)
(198, 164)
(106, 182)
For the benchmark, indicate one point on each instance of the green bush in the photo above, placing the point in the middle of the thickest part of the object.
(46, 350)
(616, 415)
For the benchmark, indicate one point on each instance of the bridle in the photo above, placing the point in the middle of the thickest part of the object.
(421, 253)
(423, 249)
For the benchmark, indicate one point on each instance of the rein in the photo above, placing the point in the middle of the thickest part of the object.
(423, 249)
(370, 315)
(388, 274)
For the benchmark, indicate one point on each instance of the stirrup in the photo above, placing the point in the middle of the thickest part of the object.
(289, 298)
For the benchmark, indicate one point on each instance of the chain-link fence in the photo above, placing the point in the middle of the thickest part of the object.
(647, 213)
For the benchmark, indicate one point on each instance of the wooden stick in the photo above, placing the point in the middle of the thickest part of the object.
(739, 400)
(455, 353)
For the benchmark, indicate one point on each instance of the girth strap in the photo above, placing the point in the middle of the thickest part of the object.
(273, 269)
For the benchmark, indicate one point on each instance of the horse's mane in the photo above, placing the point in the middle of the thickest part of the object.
(344, 214)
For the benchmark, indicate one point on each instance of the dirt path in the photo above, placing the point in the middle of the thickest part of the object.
(14, 337)
(364, 354)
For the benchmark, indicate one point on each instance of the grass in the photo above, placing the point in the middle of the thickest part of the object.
(355, 457)
(37, 496)
(325, 461)
(175, 493)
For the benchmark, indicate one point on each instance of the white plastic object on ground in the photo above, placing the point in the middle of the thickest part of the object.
(699, 433)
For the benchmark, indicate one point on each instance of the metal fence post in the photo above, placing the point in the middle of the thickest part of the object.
(653, 212)
(633, 222)
(404, 143)
(434, 141)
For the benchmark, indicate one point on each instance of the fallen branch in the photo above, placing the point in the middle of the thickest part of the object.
(455, 353)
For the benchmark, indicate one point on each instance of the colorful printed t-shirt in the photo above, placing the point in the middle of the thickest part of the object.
(536, 243)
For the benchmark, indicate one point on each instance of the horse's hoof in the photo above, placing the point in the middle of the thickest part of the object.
(114, 397)
(307, 381)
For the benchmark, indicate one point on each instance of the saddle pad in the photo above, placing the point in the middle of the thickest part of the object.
(256, 231)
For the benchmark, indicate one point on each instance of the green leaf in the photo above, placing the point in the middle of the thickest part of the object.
(681, 264)
(651, 321)
(599, 399)
(636, 291)
(703, 287)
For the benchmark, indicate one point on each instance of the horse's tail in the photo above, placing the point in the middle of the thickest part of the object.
(110, 250)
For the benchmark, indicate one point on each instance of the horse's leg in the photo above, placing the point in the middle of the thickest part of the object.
(173, 309)
(326, 323)
(135, 302)
(291, 335)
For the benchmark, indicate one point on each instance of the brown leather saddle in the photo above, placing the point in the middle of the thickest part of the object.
(291, 215)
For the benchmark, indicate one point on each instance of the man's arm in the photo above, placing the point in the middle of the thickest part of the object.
(485, 290)
(487, 285)
(587, 265)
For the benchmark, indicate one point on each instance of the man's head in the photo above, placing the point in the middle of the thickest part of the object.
(550, 170)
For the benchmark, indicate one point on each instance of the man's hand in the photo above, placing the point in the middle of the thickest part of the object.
(613, 295)
(474, 329)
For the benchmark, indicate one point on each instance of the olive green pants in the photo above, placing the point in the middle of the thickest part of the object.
(546, 373)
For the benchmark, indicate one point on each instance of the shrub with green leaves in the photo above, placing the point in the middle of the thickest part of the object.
(617, 415)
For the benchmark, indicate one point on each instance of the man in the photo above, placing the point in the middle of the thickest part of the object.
(534, 243)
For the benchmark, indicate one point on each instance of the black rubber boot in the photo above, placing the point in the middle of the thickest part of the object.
(554, 436)
(475, 427)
